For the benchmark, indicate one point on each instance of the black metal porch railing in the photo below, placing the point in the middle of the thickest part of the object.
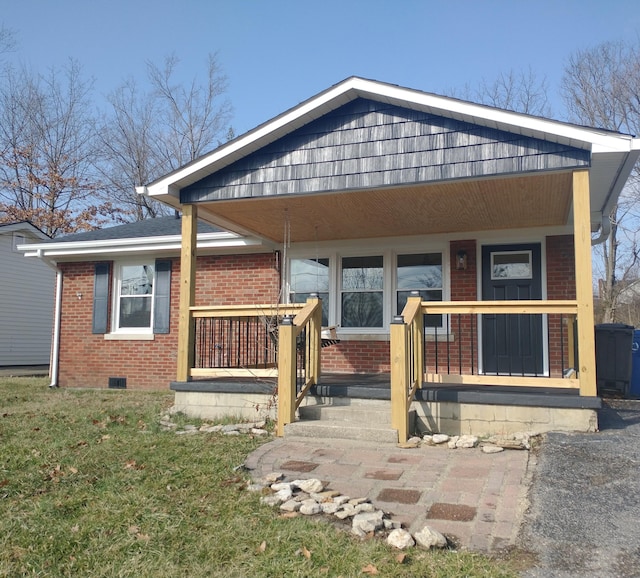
(244, 343)
(235, 343)
(503, 344)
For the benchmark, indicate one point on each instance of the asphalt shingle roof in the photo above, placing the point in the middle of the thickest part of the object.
(158, 227)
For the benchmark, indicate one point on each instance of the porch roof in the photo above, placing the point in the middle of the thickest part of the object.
(459, 200)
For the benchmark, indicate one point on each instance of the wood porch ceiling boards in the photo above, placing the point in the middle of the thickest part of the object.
(461, 206)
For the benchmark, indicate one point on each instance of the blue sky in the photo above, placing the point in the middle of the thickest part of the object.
(279, 53)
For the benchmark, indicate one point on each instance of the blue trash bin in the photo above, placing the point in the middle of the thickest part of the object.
(634, 386)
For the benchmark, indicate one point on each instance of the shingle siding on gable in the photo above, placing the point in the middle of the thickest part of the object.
(367, 144)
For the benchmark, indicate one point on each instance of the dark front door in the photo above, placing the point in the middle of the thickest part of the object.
(512, 344)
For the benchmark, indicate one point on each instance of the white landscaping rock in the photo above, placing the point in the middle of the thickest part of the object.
(259, 432)
(284, 494)
(310, 507)
(290, 506)
(367, 522)
(491, 449)
(272, 500)
(400, 539)
(273, 477)
(365, 507)
(281, 486)
(329, 507)
(467, 441)
(430, 538)
(440, 438)
(309, 486)
(451, 444)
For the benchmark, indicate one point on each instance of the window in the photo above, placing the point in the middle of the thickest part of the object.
(362, 292)
(511, 265)
(310, 276)
(134, 301)
(420, 272)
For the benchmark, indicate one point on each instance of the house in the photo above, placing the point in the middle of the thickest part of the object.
(447, 244)
(26, 299)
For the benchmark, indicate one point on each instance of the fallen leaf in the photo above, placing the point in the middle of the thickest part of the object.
(4, 483)
(262, 547)
(73, 470)
(75, 528)
(143, 537)
(370, 569)
(306, 553)
(134, 529)
(289, 515)
(400, 558)
(129, 464)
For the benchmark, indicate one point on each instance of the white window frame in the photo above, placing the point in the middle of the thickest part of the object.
(335, 251)
(117, 278)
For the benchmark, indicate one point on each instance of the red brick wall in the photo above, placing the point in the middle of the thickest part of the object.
(561, 284)
(88, 360)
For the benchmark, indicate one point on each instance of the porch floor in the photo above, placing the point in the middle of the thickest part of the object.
(378, 386)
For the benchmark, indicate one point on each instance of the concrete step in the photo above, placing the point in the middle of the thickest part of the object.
(357, 414)
(364, 420)
(328, 429)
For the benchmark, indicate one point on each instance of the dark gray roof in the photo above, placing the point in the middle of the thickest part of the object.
(158, 227)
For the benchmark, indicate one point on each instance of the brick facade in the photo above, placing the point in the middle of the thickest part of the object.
(88, 360)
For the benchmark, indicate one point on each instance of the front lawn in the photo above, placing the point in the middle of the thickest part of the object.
(90, 485)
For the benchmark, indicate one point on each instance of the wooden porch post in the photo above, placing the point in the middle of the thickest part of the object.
(399, 378)
(584, 283)
(186, 333)
(287, 374)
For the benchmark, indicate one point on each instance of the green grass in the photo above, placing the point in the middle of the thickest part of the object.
(91, 486)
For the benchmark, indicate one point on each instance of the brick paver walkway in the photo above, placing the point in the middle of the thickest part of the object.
(475, 498)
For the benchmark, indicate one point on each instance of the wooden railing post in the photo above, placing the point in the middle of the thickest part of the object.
(399, 378)
(417, 328)
(315, 340)
(286, 374)
(186, 332)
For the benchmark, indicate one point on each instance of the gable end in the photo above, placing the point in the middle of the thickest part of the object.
(370, 144)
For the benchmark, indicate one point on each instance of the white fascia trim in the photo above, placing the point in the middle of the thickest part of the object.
(573, 135)
(135, 245)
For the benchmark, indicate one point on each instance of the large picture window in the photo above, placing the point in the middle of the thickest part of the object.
(420, 272)
(362, 292)
(310, 276)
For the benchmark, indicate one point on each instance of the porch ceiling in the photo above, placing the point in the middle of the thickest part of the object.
(461, 206)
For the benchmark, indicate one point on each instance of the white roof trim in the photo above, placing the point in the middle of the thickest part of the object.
(598, 141)
(135, 245)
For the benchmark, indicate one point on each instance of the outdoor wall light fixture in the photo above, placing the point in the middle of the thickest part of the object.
(79, 295)
(461, 260)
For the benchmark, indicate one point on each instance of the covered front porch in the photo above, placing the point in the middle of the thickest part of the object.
(488, 215)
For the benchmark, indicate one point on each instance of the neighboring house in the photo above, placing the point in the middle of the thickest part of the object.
(362, 195)
(26, 299)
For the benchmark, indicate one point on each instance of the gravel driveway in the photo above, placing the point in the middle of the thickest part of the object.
(584, 515)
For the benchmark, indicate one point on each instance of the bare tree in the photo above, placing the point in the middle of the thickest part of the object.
(601, 88)
(150, 133)
(520, 91)
(46, 151)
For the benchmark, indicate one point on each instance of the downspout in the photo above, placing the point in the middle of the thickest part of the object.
(55, 344)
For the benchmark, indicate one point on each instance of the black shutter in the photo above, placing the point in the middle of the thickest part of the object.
(101, 298)
(162, 296)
